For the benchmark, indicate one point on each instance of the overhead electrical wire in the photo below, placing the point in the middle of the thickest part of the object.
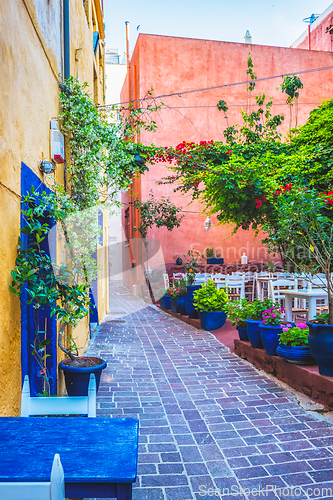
(175, 94)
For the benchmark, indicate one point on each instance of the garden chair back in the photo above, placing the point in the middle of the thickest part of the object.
(52, 490)
(166, 280)
(67, 405)
(236, 285)
(277, 287)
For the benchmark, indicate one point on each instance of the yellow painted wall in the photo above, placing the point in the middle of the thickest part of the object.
(29, 99)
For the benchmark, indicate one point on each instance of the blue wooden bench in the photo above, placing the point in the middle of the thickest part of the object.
(99, 456)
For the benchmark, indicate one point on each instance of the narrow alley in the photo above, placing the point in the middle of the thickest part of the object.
(211, 425)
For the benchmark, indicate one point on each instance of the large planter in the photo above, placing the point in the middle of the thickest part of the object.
(253, 332)
(77, 378)
(165, 302)
(270, 335)
(214, 260)
(212, 320)
(190, 309)
(299, 355)
(173, 306)
(321, 347)
(181, 304)
(242, 333)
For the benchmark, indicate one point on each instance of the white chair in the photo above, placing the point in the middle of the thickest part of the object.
(202, 278)
(236, 285)
(67, 405)
(276, 292)
(52, 490)
(166, 280)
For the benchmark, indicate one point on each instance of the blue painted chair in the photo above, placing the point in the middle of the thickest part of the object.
(67, 405)
(53, 490)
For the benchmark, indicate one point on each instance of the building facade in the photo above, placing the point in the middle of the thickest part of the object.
(41, 43)
(213, 70)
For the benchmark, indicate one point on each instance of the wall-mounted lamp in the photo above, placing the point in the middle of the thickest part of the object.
(47, 167)
(208, 224)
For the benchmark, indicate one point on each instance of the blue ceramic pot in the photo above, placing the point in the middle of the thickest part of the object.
(321, 347)
(181, 304)
(299, 355)
(214, 260)
(173, 306)
(253, 332)
(270, 335)
(165, 302)
(190, 309)
(242, 333)
(212, 320)
(179, 261)
(77, 378)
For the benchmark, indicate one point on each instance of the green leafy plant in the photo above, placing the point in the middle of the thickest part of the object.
(218, 255)
(291, 86)
(209, 252)
(209, 298)
(294, 335)
(257, 308)
(238, 312)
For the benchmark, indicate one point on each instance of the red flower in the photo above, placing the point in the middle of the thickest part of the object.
(258, 203)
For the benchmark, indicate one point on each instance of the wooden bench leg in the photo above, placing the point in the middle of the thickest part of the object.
(124, 491)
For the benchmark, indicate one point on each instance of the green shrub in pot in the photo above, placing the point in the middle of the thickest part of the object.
(209, 298)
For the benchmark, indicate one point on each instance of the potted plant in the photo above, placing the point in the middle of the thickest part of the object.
(294, 345)
(211, 304)
(191, 263)
(237, 311)
(181, 300)
(253, 320)
(304, 230)
(210, 256)
(174, 294)
(271, 328)
(61, 290)
(165, 300)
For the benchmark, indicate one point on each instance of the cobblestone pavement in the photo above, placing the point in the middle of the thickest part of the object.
(209, 421)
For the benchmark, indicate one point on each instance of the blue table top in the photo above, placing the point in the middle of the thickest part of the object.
(92, 450)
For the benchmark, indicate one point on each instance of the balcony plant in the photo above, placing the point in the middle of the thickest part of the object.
(255, 316)
(191, 262)
(294, 345)
(211, 304)
(237, 312)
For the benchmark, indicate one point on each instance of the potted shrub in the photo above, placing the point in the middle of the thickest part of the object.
(237, 311)
(165, 300)
(211, 304)
(210, 256)
(174, 294)
(271, 328)
(294, 345)
(181, 300)
(253, 320)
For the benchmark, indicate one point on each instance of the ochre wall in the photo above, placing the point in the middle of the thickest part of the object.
(29, 99)
(170, 65)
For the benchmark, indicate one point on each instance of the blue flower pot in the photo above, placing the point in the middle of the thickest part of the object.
(179, 261)
(299, 355)
(214, 260)
(321, 347)
(181, 304)
(173, 306)
(212, 320)
(253, 332)
(77, 378)
(270, 335)
(242, 333)
(190, 309)
(165, 302)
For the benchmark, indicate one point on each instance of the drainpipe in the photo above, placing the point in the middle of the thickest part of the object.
(67, 62)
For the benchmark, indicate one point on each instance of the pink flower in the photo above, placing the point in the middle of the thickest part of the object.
(302, 326)
(284, 329)
(290, 326)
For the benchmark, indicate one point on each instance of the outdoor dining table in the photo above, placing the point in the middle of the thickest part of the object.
(311, 295)
(99, 456)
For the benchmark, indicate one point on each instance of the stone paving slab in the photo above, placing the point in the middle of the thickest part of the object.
(211, 425)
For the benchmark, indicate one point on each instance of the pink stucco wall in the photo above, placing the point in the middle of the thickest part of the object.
(171, 64)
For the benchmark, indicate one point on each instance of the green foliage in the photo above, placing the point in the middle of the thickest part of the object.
(256, 308)
(251, 73)
(191, 262)
(295, 336)
(238, 312)
(209, 252)
(159, 213)
(209, 298)
(291, 85)
(222, 106)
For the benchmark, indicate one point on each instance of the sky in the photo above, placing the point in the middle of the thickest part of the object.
(270, 22)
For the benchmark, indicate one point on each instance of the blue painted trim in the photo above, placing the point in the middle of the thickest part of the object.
(28, 313)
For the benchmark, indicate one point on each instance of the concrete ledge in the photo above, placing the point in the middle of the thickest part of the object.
(305, 379)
